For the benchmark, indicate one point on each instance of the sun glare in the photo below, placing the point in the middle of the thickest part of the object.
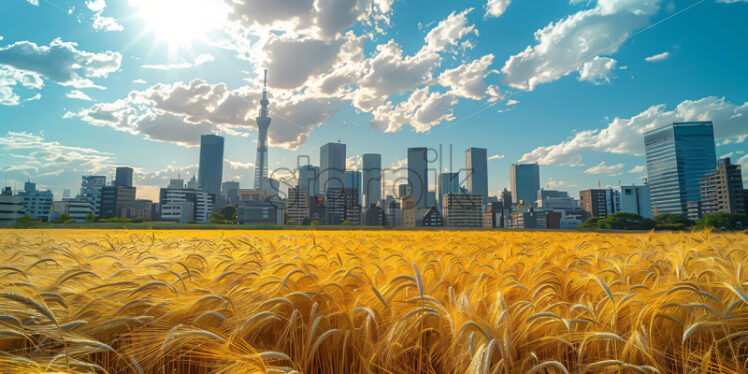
(179, 22)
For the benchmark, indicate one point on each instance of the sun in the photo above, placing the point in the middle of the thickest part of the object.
(180, 22)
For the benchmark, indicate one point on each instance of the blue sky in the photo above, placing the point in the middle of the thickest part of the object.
(87, 86)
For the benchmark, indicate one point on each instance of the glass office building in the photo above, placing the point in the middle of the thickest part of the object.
(678, 155)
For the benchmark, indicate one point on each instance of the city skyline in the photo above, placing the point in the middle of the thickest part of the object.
(582, 122)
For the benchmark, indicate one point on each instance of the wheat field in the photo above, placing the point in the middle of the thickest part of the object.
(90, 301)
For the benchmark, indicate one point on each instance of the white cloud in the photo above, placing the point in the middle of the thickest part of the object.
(565, 46)
(422, 111)
(658, 57)
(199, 60)
(626, 135)
(554, 184)
(732, 1)
(33, 2)
(139, 81)
(496, 157)
(101, 22)
(495, 8)
(10, 78)
(34, 155)
(78, 94)
(597, 70)
(61, 62)
(467, 80)
(637, 169)
(726, 155)
(603, 168)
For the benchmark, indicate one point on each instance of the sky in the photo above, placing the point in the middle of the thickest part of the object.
(86, 86)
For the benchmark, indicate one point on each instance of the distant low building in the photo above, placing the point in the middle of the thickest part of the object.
(77, 210)
(463, 210)
(185, 205)
(298, 205)
(342, 205)
(635, 199)
(11, 207)
(36, 203)
(260, 213)
(375, 216)
(408, 211)
(317, 209)
(600, 202)
(722, 190)
(136, 209)
(433, 218)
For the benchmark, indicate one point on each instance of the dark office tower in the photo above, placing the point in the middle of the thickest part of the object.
(476, 164)
(353, 181)
(210, 173)
(263, 123)
(525, 182)
(418, 178)
(123, 177)
(309, 180)
(332, 167)
(678, 156)
(372, 183)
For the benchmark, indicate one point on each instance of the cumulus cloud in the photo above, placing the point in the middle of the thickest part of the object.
(61, 62)
(422, 111)
(566, 46)
(101, 22)
(467, 80)
(11, 78)
(180, 113)
(597, 70)
(637, 169)
(199, 60)
(324, 19)
(495, 8)
(626, 135)
(603, 168)
(658, 57)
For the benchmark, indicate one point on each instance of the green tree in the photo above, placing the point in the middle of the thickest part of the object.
(671, 222)
(228, 212)
(216, 217)
(723, 221)
(25, 219)
(306, 221)
(63, 219)
(90, 218)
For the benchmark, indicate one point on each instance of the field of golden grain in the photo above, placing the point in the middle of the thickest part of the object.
(372, 302)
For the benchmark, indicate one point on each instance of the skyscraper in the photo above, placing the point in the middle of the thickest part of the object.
(309, 180)
(210, 173)
(332, 167)
(525, 182)
(722, 191)
(448, 183)
(353, 181)
(372, 183)
(678, 155)
(123, 177)
(418, 174)
(476, 164)
(263, 123)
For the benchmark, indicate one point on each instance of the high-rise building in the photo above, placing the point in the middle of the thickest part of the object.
(678, 156)
(448, 183)
(476, 164)
(36, 203)
(193, 184)
(525, 183)
(408, 211)
(722, 191)
(210, 174)
(372, 183)
(403, 190)
(353, 181)
(418, 175)
(463, 210)
(263, 123)
(600, 202)
(309, 179)
(635, 199)
(332, 167)
(123, 177)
